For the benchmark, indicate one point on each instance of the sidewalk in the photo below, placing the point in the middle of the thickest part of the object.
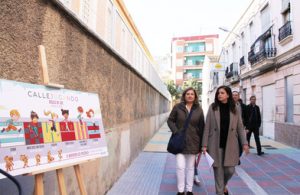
(153, 171)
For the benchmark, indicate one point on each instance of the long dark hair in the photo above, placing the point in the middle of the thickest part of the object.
(231, 102)
(196, 101)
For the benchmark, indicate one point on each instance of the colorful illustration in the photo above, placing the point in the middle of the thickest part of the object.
(9, 163)
(12, 133)
(51, 129)
(11, 123)
(92, 126)
(60, 154)
(50, 158)
(54, 116)
(38, 159)
(24, 158)
(80, 111)
(33, 130)
(66, 127)
(36, 131)
(80, 131)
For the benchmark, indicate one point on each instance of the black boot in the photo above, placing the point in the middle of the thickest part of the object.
(189, 193)
(180, 193)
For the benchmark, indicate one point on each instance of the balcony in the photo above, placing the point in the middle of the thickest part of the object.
(189, 76)
(261, 55)
(231, 73)
(242, 61)
(285, 31)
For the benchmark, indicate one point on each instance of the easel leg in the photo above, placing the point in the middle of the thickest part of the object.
(79, 179)
(61, 182)
(39, 185)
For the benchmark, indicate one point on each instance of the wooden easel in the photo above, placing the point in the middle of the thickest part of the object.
(39, 185)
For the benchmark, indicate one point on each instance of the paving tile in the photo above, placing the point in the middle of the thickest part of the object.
(154, 172)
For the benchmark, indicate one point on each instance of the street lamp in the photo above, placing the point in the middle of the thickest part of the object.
(229, 31)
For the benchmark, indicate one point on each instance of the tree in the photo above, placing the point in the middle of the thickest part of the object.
(195, 84)
(173, 89)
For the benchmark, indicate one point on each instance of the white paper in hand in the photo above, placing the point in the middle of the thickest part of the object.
(209, 159)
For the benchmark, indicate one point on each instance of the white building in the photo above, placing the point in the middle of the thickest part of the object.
(213, 77)
(164, 67)
(262, 58)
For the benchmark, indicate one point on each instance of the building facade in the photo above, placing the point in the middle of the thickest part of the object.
(188, 55)
(262, 58)
(110, 21)
(213, 77)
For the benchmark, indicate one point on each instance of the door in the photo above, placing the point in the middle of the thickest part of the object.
(268, 111)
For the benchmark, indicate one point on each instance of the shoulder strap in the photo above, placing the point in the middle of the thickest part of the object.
(186, 123)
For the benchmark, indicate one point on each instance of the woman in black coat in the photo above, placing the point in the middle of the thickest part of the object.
(185, 160)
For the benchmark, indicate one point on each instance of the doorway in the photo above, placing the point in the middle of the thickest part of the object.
(268, 111)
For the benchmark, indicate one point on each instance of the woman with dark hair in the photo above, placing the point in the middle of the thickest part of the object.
(187, 110)
(220, 138)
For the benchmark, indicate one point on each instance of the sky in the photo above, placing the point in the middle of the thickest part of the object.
(160, 20)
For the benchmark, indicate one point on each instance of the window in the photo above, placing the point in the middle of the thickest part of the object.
(265, 18)
(244, 96)
(234, 52)
(286, 29)
(179, 49)
(268, 43)
(179, 62)
(289, 99)
(194, 60)
(215, 78)
(195, 74)
(244, 47)
(195, 47)
(251, 32)
(286, 10)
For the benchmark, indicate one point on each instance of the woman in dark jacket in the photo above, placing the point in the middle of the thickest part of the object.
(223, 129)
(185, 160)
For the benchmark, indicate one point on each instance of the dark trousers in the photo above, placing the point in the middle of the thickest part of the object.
(256, 137)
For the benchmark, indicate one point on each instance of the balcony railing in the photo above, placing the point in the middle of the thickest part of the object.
(285, 31)
(188, 76)
(231, 70)
(261, 55)
(242, 61)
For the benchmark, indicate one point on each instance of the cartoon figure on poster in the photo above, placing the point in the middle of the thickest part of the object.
(90, 114)
(24, 158)
(12, 130)
(53, 119)
(50, 157)
(12, 122)
(80, 117)
(9, 163)
(33, 130)
(92, 126)
(66, 127)
(38, 159)
(51, 130)
(33, 127)
(60, 154)
(65, 114)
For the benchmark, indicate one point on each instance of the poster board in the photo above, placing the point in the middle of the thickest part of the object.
(43, 128)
